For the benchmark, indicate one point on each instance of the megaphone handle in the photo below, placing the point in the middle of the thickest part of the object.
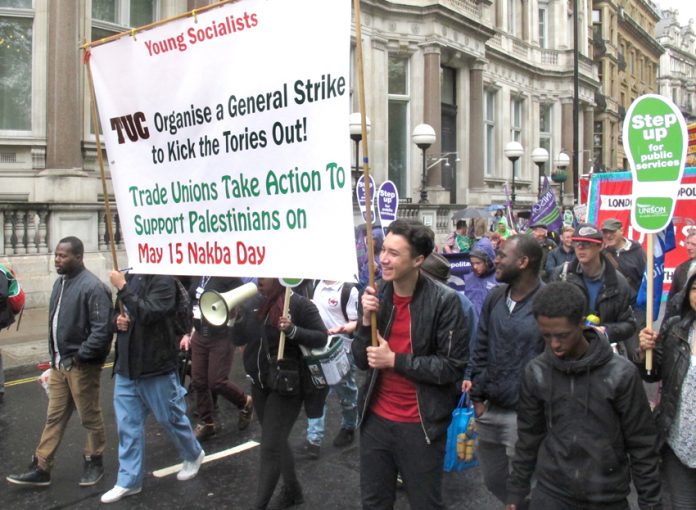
(286, 307)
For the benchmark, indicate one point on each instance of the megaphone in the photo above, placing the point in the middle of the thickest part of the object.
(216, 306)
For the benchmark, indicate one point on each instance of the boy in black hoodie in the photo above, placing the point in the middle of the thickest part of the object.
(584, 422)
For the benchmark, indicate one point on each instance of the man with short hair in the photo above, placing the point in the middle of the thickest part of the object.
(147, 380)
(459, 240)
(79, 339)
(608, 294)
(411, 389)
(540, 232)
(584, 423)
(507, 339)
(628, 255)
(563, 253)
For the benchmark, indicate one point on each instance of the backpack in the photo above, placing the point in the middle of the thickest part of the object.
(183, 315)
(16, 297)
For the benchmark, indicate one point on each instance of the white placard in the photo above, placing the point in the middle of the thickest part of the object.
(227, 141)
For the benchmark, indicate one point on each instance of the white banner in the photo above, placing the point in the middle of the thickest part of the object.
(228, 143)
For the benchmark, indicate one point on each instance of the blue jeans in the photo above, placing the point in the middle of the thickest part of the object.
(347, 392)
(134, 400)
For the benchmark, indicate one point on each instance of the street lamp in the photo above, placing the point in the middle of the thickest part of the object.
(513, 151)
(562, 161)
(423, 136)
(540, 156)
(355, 122)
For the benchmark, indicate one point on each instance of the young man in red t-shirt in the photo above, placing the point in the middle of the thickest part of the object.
(412, 387)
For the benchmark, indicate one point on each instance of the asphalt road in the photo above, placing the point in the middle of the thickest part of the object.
(332, 482)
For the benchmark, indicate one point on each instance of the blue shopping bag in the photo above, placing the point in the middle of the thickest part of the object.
(460, 452)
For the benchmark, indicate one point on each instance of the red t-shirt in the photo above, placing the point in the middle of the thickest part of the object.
(396, 396)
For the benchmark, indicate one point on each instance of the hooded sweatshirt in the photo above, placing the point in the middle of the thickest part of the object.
(585, 429)
(476, 288)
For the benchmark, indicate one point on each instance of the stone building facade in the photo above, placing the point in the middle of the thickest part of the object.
(481, 72)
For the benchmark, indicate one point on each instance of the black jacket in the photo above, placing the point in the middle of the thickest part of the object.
(439, 352)
(585, 429)
(84, 320)
(557, 257)
(6, 316)
(631, 263)
(150, 346)
(505, 343)
(614, 301)
(262, 341)
(220, 284)
(671, 360)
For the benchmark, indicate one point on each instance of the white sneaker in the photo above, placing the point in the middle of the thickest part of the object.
(118, 493)
(189, 468)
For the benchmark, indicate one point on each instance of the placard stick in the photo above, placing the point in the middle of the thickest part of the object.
(100, 159)
(286, 307)
(366, 167)
(649, 298)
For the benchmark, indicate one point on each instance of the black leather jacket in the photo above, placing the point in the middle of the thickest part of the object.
(150, 346)
(440, 351)
(614, 301)
(84, 320)
(671, 359)
(585, 429)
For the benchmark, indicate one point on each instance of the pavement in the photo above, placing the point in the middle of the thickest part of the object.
(28, 343)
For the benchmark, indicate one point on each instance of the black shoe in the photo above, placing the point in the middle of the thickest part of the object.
(344, 438)
(92, 472)
(289, 496)
(309, 451)
(36, 477)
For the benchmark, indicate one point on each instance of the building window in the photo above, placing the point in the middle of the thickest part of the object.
(16, 33)
(489, 134)
(597, 143)
(545, 130)
(398, 97)
(516, 105)
(543, 28)
(597, 24)
(113, 16)
(512, 17)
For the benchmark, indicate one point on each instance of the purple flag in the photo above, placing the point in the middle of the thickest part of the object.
(360, 195)
(546, 210)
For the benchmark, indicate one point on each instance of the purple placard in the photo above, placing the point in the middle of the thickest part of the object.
(387, 204)
(360, 195)
(460, 265)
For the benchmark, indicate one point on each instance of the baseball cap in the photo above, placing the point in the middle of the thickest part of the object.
(611, 224)
(588, 233)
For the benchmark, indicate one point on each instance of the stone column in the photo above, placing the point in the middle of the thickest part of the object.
(567, 144)
(432, 104)
(587, 138)
(476, 127)
(64, 97)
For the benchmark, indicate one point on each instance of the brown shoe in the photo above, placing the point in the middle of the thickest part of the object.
(245, 414)
(205, 430)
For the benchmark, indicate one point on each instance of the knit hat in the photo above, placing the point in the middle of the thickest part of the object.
(588, 233)
(437, 267)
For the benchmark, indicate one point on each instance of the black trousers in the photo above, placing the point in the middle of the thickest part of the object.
(542, 500)
(277, 414)
(388, 448)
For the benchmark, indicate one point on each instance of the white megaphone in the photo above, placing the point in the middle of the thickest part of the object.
(216, 306)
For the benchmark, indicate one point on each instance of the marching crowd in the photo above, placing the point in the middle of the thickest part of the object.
(545, 338)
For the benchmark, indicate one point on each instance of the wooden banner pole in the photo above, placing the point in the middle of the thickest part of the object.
(100, 159)
(649, 297)
(366, 166)
(286, 307)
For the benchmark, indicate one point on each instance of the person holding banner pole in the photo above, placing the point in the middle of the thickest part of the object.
(674, 363)
(261, 322)
(414, 373)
